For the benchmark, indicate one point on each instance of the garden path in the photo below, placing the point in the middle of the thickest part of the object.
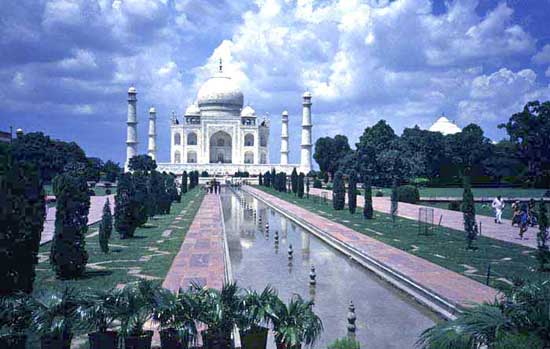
(453, 287)
(449, 219)
(94, 216)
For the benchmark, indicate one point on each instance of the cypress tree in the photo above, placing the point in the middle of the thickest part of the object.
(338, 192)
(368, 212)
(105, 227)
(267, 179)
(260, 179)
(273, 178)
(22, 215)
(68, 255)
(307, 187)
(469, 213)
(155, 193)
(543, 251)
(394, 201)
(166, 199)
(183, 183)
(300, 185)
(171, 188)
(352, 192)
(294, 181)
(282, 181)
(125, 206)
(142, 197)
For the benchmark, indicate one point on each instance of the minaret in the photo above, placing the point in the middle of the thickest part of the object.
(152, 146)
(284, 139)
(305, 156)
(131, 138)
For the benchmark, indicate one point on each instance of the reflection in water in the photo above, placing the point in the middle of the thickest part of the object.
(385, 318)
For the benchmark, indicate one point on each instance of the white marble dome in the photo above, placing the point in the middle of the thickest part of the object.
(248, 111)
(193, 110)
(220, 91)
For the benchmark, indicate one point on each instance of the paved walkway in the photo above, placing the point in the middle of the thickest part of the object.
(200, 258)
(453, 287)
(96, 211)
(449, 219)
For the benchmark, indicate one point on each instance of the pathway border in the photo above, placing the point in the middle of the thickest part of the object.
(443, 291)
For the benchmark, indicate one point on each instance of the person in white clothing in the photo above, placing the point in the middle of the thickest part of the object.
(498, 206)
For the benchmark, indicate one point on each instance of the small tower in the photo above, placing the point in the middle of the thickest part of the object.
(305, 156)
(131, 138)
(284, 139)
(152, 146)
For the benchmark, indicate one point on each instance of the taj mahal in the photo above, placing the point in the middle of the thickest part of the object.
(219, 134)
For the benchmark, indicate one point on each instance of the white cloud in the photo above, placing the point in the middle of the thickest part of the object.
(543, 56)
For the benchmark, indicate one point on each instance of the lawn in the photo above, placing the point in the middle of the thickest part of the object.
(478, 192)
(148, 254)
(483, 209)
(445, 247)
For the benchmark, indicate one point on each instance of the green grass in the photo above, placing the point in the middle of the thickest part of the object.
(483, 209)
(478, 192)
(445, 247)
(124, 254)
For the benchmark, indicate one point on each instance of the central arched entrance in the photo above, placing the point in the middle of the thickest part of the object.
(220, 148)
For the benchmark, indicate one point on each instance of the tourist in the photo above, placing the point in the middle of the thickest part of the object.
(524, 220)
(498, 206)
(516, 216)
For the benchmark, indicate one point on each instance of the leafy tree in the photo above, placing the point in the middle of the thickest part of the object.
(294, 181)
(375, 140)
(352, 192)
(424, 150)
(93, 169)
(392, 167)
(300, 185)
(329, 151)
(22, 215)
(126, 207)
(469, 213)
(105, 227)
(260, 179)
(467, 149)
(143, 163)
(49, 156)
(503, 161)
(529, 130)
(368, 211)
(183, 183)
(68, 255)
(111, 170)
(338, 192)
(543, 251)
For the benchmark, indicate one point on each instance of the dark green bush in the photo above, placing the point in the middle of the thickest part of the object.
(339, 192)
(455, 205)
(379, 194)
(408, 193)
(317, 184)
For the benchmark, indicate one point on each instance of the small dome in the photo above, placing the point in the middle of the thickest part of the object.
(152, 110)
(19, 130)
(248, 111)
(193, 110)
(220, 91)
(132, 89)
(445, 126)
(285, 113)
(307, 94)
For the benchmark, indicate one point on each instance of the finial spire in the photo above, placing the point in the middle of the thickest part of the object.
(221, 66)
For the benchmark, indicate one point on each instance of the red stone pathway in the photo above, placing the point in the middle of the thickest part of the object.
(200, 258)
(450, 219)
(453, 287)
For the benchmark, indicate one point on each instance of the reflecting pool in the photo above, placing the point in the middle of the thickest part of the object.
(385, 317)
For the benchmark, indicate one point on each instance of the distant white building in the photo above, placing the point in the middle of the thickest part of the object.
(445, 126)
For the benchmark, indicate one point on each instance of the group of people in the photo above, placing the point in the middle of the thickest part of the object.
(524, 214)
(213, 186)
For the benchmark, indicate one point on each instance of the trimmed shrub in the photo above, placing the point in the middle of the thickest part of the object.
(125, 207)
(22, 216)
(300, 185)
(344, 343)
(68, 255)
(294, 181)
(105, 227)
(469, 213)
(260, 179)
(339, 192)
(352, 192)
(408, 193)
(108, 192)
(141, 197)
(379, 194)
(183, 188)
(204, 174)
(317, 184)
(455, 205)
(368, 212)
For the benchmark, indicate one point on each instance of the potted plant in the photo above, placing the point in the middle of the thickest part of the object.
(219, 311)
(99, 311)
(295, 323)
(54, 315)
(255, 316)
(136, 304)
(15, 318)
(176, 315)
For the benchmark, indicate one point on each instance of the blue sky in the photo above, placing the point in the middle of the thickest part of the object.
(65, 65)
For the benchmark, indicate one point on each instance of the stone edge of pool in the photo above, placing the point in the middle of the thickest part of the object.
(429, 298)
